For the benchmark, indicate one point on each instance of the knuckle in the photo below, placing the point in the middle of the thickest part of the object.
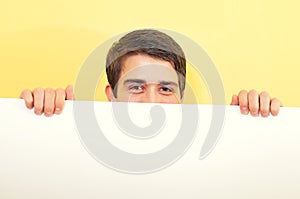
(275, 100)
(38, 90)
(25, 92)
(264, 94)
(242, 92)
(253, 92)
(27, 97)
(70, 87)
(60, 90)
(49, 91)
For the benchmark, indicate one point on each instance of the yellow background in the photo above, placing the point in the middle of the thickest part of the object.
(254, 44)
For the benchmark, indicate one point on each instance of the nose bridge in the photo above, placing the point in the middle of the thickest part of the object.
(152, 94)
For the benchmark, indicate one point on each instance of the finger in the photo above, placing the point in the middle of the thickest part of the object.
(38, 100)
(234, 100)
(264, 101)
(69, 93)
(59, 100)
(28, 98)
(275, 106)
(49, 102)
(253, 100)
(243, 102)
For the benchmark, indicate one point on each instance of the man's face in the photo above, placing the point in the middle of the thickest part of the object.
(146, 79)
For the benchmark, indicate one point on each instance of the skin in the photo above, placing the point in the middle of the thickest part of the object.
(146, 88)
(50, 101)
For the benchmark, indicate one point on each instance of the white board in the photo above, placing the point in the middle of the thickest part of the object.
(46, 157)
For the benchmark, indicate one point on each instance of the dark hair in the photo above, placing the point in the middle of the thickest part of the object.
(146, 41)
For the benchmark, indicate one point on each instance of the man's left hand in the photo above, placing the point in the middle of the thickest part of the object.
(256, 103)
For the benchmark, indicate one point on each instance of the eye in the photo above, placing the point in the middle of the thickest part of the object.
(166, 90)
(136, 88)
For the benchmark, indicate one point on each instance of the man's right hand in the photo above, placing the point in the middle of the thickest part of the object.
(47, 101)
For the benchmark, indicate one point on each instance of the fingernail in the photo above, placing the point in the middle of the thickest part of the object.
(38, 113)
(57, 111)
(254, 114)
(48, 115)
(244, 109)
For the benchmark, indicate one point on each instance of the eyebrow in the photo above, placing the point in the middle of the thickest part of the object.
(168, 83)
(141, 81)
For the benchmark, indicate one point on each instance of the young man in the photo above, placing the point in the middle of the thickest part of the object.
(145, 66)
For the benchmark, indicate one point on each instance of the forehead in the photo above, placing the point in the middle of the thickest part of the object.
(132, 62)
(142, 66)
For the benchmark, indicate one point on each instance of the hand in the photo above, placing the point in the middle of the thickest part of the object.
(256, 103)
(47, 101)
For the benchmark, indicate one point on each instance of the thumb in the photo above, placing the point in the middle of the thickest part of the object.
(234, 100)
(69, 93)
